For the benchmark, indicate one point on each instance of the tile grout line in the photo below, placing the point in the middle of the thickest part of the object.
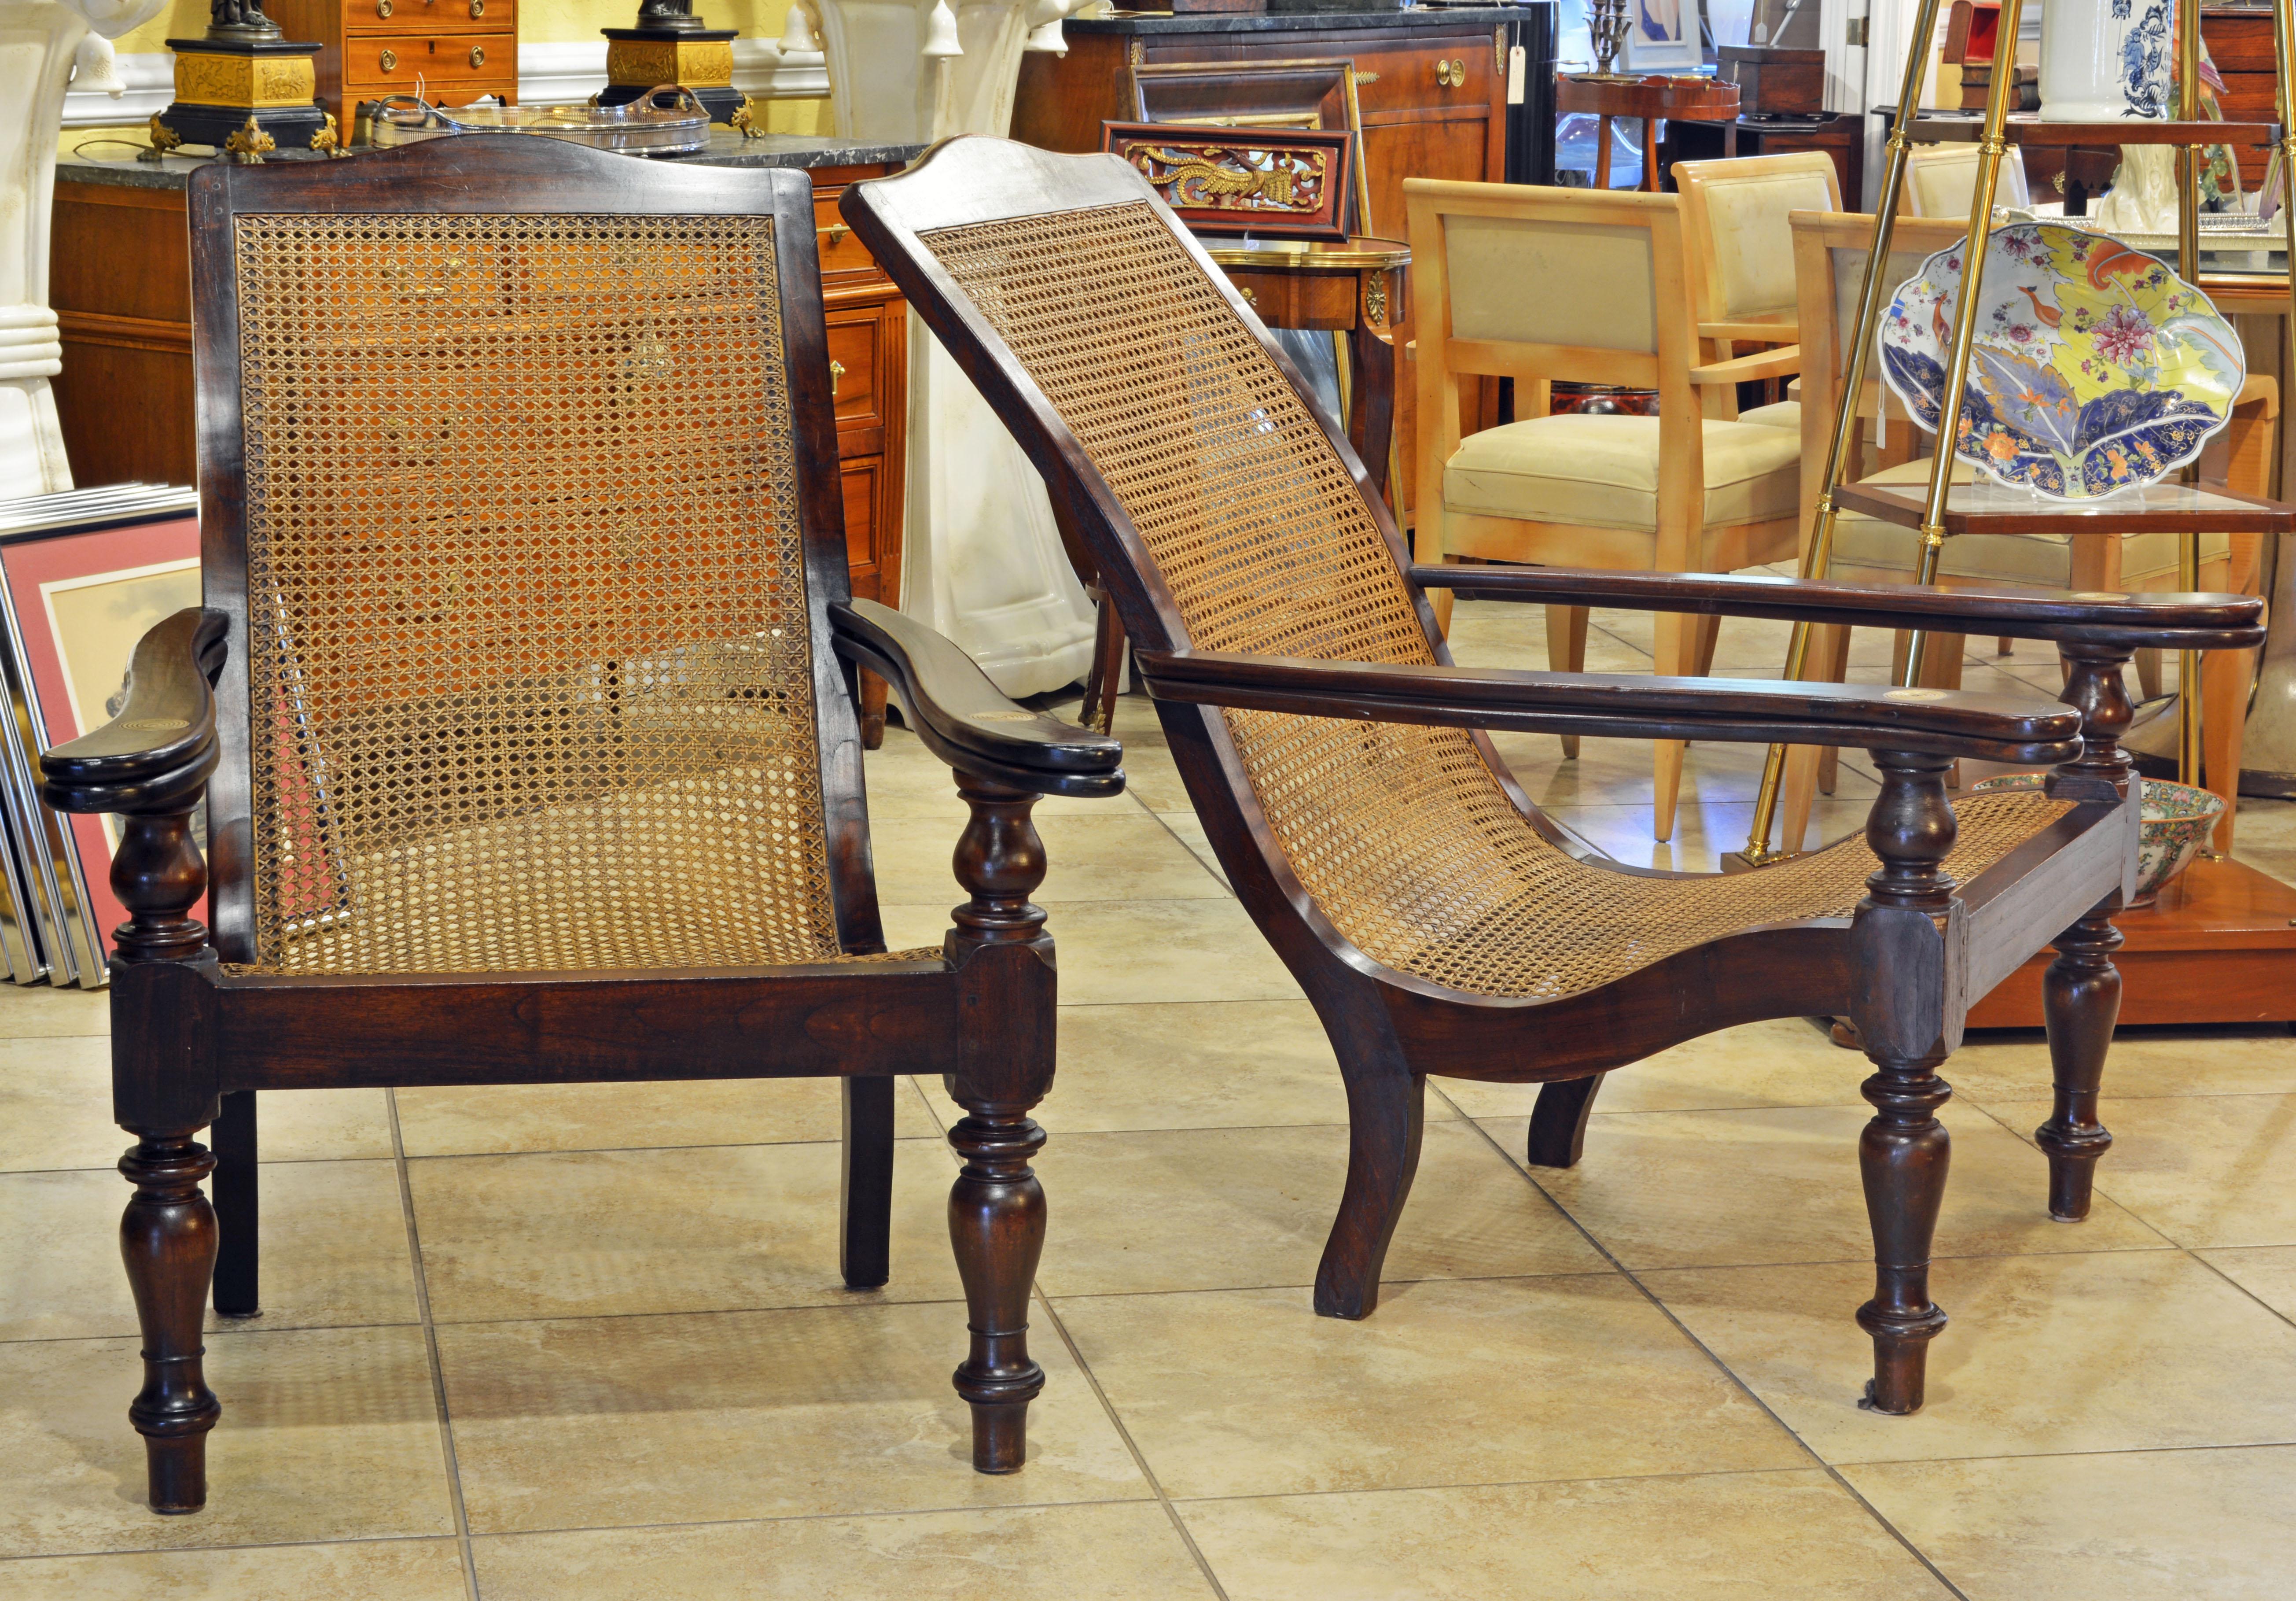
(1140, 1460)
(431, 1350)
(1721, 1367)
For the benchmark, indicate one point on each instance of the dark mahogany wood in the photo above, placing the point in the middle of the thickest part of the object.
(2082, 995)
(194, 1041)
(1904, 966)
(1558, 1121)
(238, 1205)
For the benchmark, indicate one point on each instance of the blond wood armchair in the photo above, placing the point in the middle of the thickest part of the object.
(1591, 286)
(1734, 217)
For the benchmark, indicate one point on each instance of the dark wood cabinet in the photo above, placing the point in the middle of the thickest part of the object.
(458, 50)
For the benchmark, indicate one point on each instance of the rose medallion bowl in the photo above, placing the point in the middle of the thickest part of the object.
(2093, 367)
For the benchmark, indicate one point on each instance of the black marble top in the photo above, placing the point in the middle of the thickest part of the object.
(1327, 21)
(114, 164)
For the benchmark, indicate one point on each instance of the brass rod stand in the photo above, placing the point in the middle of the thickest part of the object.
(1818, 555)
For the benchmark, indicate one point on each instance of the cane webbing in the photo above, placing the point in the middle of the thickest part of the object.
(529, 676)
(1402, 835)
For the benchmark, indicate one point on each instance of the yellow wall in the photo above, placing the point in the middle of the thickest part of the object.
(542, 21)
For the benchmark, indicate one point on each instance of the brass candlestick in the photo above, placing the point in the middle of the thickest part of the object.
(245, 88)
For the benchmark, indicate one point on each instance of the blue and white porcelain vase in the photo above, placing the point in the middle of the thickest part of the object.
(2103, 61)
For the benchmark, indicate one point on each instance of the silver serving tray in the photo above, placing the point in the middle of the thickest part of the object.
(639, 127)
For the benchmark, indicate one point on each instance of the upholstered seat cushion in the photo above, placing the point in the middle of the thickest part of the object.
(1784, 413)
(1872, 552)
(1603, 472)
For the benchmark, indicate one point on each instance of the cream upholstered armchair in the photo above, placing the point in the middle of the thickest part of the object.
(1733, 219)
(1542, 284)
(1829, 256)
(1941, 179)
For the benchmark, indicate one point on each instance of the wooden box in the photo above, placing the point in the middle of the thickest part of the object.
(1772, 80)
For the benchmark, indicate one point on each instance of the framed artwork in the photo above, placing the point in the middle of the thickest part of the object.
(75, 604)
(1289, 95)
(1270, 183)
(1663, 37)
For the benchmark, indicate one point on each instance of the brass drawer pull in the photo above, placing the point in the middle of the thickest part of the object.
(836, 371)
(383, 8)
(1452, 74)
(834, 234)
(477, 8)
(477, 56)
(389, 61)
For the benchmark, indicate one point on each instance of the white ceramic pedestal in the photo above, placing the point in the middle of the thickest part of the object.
(38, 41)
(983, 561)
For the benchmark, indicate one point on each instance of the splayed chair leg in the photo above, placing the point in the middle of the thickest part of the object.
(2080, 999)
(168, 1241)
(1558, 1122)
(1386, 1117)
(238, 1209)
(866, 1218)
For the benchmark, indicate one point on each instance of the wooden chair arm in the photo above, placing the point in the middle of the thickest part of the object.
(2027, 731)
(1785, 362)
(964, 719)
(161, 747)
(2203, 622)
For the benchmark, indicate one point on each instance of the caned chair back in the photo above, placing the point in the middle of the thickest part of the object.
(1941, 179)
(1734, 219)
(517, 479)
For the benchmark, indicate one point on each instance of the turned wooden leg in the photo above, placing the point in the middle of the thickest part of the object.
(865, 1226)
(1386, 1113)
(237, 1288)
(1558, 1122)
(168, 1240)
(2080, 999)
(1903, 1156)
(996, 1222)
(1005, 1001)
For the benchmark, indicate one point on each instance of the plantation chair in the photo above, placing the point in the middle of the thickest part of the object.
(1437, 921)
(518, 712)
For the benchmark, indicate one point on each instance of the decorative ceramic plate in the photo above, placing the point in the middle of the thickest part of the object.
(2095, 368)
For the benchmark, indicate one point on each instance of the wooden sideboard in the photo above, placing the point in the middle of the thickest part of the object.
(119, 272)
(459, 49)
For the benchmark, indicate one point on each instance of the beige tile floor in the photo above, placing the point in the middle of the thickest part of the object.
(566, 1344)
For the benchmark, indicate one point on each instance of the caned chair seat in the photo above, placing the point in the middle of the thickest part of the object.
(1604, 471)
(1867, 551)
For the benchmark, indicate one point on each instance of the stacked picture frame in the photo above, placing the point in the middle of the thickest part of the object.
(82, 575)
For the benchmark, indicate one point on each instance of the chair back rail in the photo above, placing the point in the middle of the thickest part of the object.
(469, 607)
(1734, 215)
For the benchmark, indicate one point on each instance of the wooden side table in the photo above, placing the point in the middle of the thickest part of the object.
(1653, 100)
(1356, 287)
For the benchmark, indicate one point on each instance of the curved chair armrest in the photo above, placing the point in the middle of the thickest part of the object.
(1944, 722)
(2199, 622)
(964, 719)
(157, 753)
